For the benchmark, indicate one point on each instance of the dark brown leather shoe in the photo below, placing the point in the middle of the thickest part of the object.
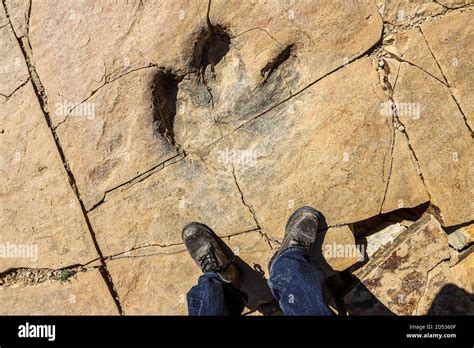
(301, 230)
(206, 249)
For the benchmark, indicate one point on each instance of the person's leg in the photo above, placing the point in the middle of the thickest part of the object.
(296, 284)
(212, 296)
(218, 289)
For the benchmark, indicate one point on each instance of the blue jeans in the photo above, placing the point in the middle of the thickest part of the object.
(294, 282)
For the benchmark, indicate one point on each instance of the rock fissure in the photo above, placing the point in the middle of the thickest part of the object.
(16, 89)
(426, 283)
(139, 178)
(125, 254)
(252, 211)
(107, 80)
(448, 85)
(22, 276)
(392, 55)
(394, 27)
(210, 98)
(397, 125)
(43, 101)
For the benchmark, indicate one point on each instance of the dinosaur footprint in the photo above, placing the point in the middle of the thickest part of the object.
(223, 90)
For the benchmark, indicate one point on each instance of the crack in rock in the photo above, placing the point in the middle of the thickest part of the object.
(393, 27)
(426, 283)
(34, 276)
(108, 78)
(16, 89)
(39, 90)
(252, 211)
(448, 85)
(398, 125)
(139, 178)
(126, 253)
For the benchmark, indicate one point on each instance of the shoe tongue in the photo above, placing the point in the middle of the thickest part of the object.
(220, 258)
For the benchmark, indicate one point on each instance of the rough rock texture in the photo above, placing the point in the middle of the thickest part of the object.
(39, 212)
(110, 139)
(454, 3)
(456, 64)
(462, 237)
(83, 294)
(449, 183)
(405, 187)
(265, 30)
(92, 42)
(463, 274)
(155, 210)
(443, 296)
(123, 121)
(3, 17)
(382, 238)
(19, 10)
(13, 70)
(331, 166)
(406, 11)
(404, 278)
(410, 46)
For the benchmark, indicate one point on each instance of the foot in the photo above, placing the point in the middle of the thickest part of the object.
(301, 230)
(207, 251)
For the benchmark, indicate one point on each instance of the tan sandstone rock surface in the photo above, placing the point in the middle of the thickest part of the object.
(449, 183)
(155, 210)
(456, 65)
(123, 121)
(41, 220)
(13, 70)
(110, 139)
(84, 294)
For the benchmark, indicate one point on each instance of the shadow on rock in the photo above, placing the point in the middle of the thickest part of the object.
(338, 283)
(254, 284)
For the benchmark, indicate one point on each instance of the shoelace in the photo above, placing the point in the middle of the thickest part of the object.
(209, 262)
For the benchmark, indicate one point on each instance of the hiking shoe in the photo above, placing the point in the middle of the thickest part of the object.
(207, 251)
(301, 230)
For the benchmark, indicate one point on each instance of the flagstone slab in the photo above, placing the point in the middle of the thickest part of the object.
(84, 294)
(41, 220)
(441, 142)
(445, 37)
(396, 279)
(111, 138)
(155, 210)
